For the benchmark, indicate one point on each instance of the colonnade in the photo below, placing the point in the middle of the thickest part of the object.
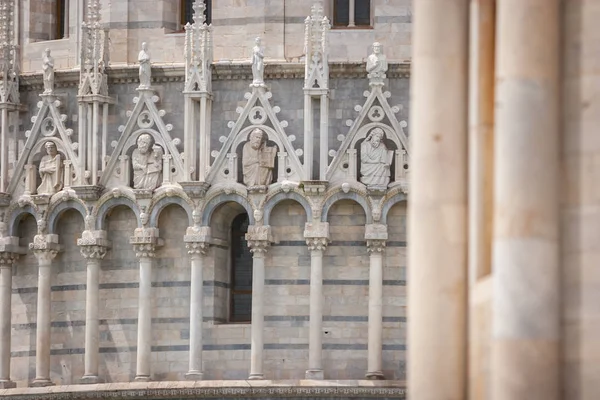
(94, 245)
(523, 247)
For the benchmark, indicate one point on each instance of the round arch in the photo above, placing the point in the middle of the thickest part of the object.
(60, 208)
(281, 196)
(391, 202)
(212, 204)
(17, 215)
(160, 205)
(346, 196)
(112, 203)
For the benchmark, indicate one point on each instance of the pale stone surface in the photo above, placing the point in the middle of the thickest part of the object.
(438, 202)
(258, 160)
(145, 67)
(51, 170)
(375, 160)
(147, 162)
(48, 72)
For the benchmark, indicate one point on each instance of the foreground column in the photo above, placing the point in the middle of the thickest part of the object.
(437, 226)
(145, 241)
(196, 242)
(376, 236)
(8, 256)
(526, 304)
(317, 238)
(93, 247)
(259, 239)
(45, 248)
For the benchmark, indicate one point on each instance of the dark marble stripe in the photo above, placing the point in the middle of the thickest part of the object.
(287, 282)
(300, 243)
(209, 347)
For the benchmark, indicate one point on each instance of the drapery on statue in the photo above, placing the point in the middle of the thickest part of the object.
(376, 64)
(375, 160)
(145, 67)
(50, 171)
(258, 159)
(48, 72)
(147, 163)
(258, 64)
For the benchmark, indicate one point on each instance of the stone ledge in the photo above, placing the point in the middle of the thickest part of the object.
(215, 389)
(161, 73)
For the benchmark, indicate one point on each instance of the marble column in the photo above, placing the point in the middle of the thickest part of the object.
(375, 247)
(317, 239)
(437, 223)
(259, 239)
(93, 247)
(7, 260)
(526, 329)
(45, 248)
(196, 242)
(145, 254)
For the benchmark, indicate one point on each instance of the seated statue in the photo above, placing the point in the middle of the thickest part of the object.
(50, 171)
(147, 163)
(258, 160)
(376, 65)
(375, 160)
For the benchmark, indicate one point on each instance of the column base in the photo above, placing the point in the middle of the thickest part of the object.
(193, 376)
(41, 382)
(375, 376)
(315, 374)
(89, 380)
(7, 384)
(256, 377)
(142, 378)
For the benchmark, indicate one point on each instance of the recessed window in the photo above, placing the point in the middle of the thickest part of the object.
(61, 12)
(187, 12)
(240, 301)
(351, 13)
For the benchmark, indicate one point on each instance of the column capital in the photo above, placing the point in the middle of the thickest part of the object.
(145, 241)
(7, 259)
(197, 248)
(93, 244)
(317, 243)
(93, 252)
(45, 247)
(197, 239)
(144, 250)
(259, 238)
(375, 246)
(376, 232)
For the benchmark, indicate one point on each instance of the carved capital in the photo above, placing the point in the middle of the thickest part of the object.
(316, 230)
(375, 246)
(45, 247)
(317, 243)
(259, 233)
(93, 252)
(197, 248)
(145, 250)
(7, 259)
(376, 232)
(258, 247)
(93, 238)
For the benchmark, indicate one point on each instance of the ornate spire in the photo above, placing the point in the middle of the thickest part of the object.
(316, 48)
(9, 69)
(198, 51)
(94, 54)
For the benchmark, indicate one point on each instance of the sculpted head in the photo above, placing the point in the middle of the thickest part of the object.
(257, 138)
(196, 217)
(47, 52)
(257, 40)
(51, 148)
(375, 137)
(144, 218)
(377, 48)
(144, 143)
(144, 46)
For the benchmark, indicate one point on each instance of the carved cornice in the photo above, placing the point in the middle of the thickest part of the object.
(215, 389)
(120, 74)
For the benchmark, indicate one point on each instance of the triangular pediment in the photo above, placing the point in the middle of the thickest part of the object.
(257, 113)
(48, 125)
(375, 113)
(145, 118)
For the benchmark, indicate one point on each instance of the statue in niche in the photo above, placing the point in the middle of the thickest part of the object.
(375, 160)
(145, 67)
(258, 64)
(50, 170)
(258, 159)
(147, 163)
(48, 72)
(376, 64)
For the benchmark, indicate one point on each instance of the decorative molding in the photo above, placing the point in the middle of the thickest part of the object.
(216, 389)
(123, 74)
